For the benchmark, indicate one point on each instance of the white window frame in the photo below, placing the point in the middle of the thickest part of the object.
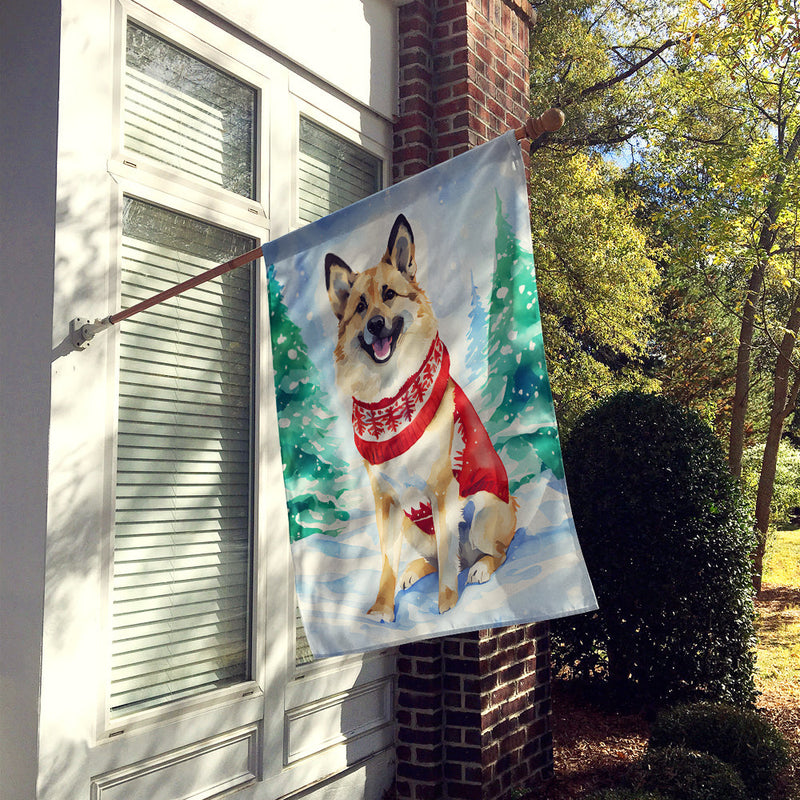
(310, 685)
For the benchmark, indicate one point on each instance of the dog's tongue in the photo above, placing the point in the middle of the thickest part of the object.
(382, 348)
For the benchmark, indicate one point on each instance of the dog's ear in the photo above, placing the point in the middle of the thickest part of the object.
(400, 251)
(339, 280)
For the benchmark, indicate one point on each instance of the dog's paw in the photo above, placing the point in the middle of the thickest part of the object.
(381, 612)
(447, 598)
(481, 571)
(417, 569)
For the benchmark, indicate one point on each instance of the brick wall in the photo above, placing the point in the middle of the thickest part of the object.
(463, 77)
(473, 714)
(473, 711)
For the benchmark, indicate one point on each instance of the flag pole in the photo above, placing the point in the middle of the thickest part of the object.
(82, 330)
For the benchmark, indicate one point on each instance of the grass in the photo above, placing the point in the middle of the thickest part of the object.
(782, 559)
(778, 625)
(778, 648)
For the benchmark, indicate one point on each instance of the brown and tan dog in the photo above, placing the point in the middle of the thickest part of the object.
(427, 454)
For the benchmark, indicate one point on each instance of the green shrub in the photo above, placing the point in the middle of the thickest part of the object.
(666, 538)
(741, 738)
(683, 774)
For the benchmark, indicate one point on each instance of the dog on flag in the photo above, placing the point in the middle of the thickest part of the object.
(437, 481)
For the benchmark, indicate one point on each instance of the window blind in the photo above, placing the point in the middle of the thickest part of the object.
(187, 114)
(332, 173)
(182, 541)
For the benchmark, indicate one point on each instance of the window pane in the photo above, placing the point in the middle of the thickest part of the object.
(333, 173)
(185, 113)
(182, 541)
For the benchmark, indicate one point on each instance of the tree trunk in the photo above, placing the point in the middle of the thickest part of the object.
(742, 388)
(784, 398)
(766, 240)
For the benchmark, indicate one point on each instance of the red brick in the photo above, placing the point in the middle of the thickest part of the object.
(411, 56)
(416, 43)
(457, 74)
(453, 107)
(414, 88)
(417, 103)
(419, 736)
(411, 119)
(416, 72)
(456, 11)
(459, 25)
(426, 718)
(443, 125)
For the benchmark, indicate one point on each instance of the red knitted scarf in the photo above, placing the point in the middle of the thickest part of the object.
(391, 426)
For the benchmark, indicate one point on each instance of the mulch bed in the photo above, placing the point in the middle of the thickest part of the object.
(594, 747)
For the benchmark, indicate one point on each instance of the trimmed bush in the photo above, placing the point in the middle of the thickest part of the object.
(683, 774)
(666, 538)
(741, 738)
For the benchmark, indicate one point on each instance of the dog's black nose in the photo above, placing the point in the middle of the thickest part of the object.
(377, 326)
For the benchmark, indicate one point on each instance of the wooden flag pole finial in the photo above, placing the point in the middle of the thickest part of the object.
(534, 127)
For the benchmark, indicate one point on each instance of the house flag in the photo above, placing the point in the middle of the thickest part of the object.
(421, 459)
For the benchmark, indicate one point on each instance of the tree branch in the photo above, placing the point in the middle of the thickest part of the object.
(601, 86)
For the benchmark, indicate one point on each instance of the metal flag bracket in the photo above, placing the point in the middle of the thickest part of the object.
(82, 330)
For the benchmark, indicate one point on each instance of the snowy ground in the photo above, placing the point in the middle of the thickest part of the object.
(544, 577)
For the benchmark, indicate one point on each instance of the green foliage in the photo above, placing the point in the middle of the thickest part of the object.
(596, 273)
(590, 57)
(720, 171)
(683, 774)
(597, 282)
(666, 539)
(696, 343)
(786, 490)
(741, 738)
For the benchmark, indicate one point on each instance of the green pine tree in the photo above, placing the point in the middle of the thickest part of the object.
(315, 476)
(522, 425)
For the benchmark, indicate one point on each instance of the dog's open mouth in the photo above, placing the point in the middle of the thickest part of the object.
(379, 340)
(382, 349)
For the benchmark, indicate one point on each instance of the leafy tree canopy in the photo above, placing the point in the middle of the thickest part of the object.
(597, 282)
